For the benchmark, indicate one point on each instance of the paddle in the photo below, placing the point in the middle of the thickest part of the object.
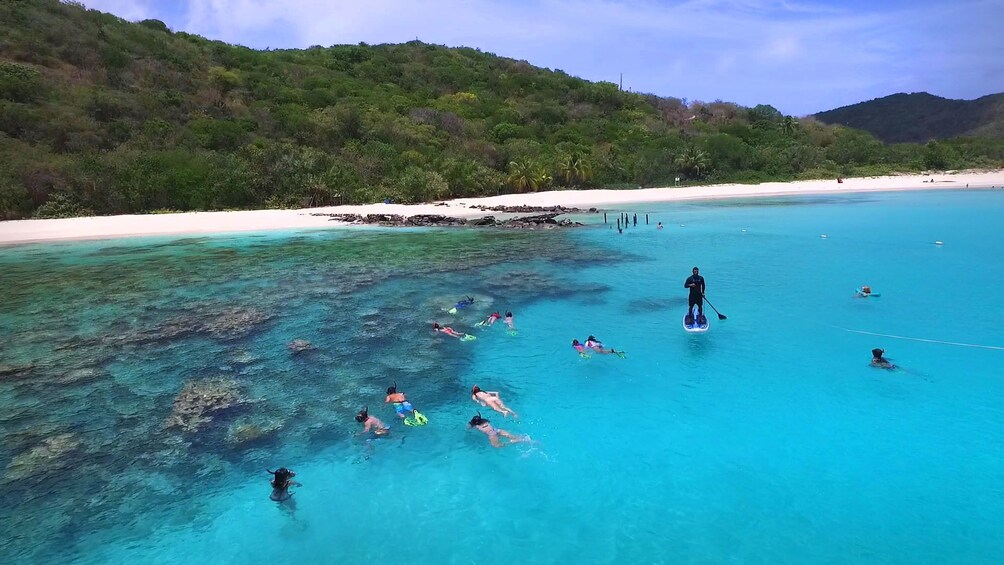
(720, 315)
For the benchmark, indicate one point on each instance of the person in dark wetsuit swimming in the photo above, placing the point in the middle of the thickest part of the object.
(696, 285)
(281, 481)
(879, 360)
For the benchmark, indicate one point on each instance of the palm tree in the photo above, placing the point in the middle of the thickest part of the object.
(522, 177)
(693, 161)
(789, 126)
(574, 169)
(542, 177)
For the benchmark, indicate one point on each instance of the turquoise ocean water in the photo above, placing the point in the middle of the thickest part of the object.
(768, 439)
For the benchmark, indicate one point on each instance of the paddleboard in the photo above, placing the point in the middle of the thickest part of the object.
(695, 327)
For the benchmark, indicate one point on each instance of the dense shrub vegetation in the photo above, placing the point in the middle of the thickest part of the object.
(921, 117)
(99, 115)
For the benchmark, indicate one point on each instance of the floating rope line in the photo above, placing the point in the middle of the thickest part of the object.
(955, 343)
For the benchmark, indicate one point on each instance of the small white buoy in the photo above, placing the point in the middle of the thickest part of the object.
(938, 243)
(823, 236)
(743, 230)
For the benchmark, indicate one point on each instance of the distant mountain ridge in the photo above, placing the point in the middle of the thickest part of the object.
(920, 117)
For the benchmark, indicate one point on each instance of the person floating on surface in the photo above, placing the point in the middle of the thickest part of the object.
(281, 480)
(490, 320)
(865, 291)
(878, 360)
(491, 400)
(482, 425)
(461, 305)
(508, 320)
(371, 423)
(658, 226)
(447, 330)
(595, 345)
(580, 348)
(402, 407)
(696, 285)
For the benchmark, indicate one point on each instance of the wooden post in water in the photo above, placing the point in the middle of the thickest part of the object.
(646, 219)
(618, 224)
(604, 217)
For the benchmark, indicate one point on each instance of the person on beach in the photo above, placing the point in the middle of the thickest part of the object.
(490, 320)
(447, 330)
(580, 348)
(482, 425)
(490, 399)
(402, 407)
(879, 360)
(508, 320)
(594, 344)
(696, 285)
(371, 423)
(281, 480)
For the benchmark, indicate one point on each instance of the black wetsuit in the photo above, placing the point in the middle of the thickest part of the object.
(696, 294)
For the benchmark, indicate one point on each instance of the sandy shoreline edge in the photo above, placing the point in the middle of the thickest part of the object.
(109, 227)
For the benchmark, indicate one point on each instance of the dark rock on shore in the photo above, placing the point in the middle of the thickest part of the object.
(528, 209)
(541, 221)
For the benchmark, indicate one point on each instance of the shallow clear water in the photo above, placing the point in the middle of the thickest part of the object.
(768, 439)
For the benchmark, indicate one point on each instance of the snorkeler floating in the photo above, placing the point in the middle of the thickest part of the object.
(865, 292)
(452, 332)
(580, 348)
(594, 344)
(403, 407)
(371, 423)
(461, 305)
(281, 481)
(491, 400)
(879, 361)
(490, 320)
(482, 425)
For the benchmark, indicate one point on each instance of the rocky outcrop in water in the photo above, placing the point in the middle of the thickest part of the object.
(233, 322)
(198, 402)
(53, 453)
(247, 432)
(542, 221)
(18, 371)
(530, 209)
(228, 323)
(299, 345)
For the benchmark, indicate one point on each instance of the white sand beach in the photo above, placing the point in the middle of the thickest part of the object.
(105, 227)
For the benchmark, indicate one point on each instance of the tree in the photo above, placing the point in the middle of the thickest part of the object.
(223, 81)
(692, 161)
(575, 170)
(522, 176)
(789, 126)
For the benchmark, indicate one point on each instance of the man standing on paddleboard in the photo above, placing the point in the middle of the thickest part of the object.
(696, 285)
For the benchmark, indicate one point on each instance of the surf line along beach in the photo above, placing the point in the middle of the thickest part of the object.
(107, 227)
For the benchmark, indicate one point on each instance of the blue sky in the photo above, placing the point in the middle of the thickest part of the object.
(801, 56)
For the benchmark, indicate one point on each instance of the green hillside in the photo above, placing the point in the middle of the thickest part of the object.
(920, 117)
(102, 116)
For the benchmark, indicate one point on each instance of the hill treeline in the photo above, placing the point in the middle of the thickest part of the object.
(103, 116)
(920, 117)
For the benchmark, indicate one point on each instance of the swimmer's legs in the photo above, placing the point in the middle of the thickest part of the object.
(514, 438)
